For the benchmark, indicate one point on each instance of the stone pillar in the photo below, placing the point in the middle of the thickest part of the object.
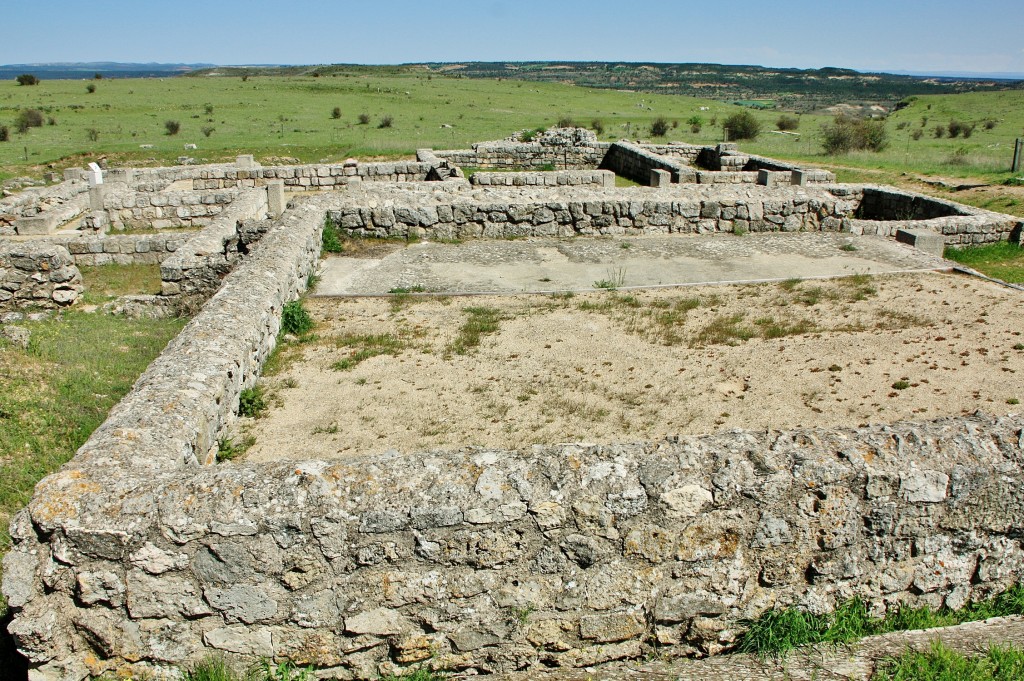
(799, 178)
(764, 177)
(608, 178)
(96, 194)
(660, 178)
(275, 198)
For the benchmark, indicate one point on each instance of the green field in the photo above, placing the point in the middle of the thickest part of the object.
(291, 117)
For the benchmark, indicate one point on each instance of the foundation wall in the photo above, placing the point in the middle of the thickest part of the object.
(636, 163)
(36, 274)
(122, 249)
(561, 178)
(619, 211)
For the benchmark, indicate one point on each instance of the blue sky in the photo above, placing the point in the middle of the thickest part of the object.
(940, 35)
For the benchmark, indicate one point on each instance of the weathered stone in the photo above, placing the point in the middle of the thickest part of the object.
(926, 486)
(379, 622)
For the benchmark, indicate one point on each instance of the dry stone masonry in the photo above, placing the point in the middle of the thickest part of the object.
(140, 556)
(37, 275)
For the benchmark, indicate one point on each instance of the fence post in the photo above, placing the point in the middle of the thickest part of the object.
(1018, 152)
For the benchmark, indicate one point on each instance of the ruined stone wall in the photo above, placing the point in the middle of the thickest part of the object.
(162, 210)
(497, 213)
(636, 163)
(197, 267)
(62, 202)
(558, 178)
(526, 155)
(689, 154)
(34, 274)
(312, 177)
(122, 249)
(883, 210)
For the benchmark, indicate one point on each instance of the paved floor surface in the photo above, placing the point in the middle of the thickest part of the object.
(583, 263)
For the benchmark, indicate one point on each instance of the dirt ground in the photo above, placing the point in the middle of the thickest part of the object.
(615, 366)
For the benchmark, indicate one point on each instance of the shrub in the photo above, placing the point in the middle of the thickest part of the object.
(742, 126)
(531, 135)
(294, 319)
(566, 122)
(336, 112)
(92, 133)
(51, 121)
(252, 402)
(968, 130)
(597, 126)
(940, 130)
(208, 109)
(364, 119)
(787, 123)
(90, 88)
(990, 124)
(29, 118)
(5, 134)
(386, 122)
(845, 134)
(172, 127)
(917, 134)
(659, 127)
(27, 79)
(208, 130)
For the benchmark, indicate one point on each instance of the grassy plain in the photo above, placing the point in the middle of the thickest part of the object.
(291, 117)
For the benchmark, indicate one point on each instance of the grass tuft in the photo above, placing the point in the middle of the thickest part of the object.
(365, 346)
(480, 321)
(940, 663)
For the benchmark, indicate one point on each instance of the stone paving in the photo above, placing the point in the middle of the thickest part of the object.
(543, 265)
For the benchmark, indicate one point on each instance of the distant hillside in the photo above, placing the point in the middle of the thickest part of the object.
(77, 70)
(798, 89)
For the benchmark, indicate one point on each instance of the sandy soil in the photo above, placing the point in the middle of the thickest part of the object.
(612, 366)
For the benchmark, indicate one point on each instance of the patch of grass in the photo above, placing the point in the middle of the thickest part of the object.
(849, 248)
(295, 319)
(901, 385)
(724, 330)
(614, 280)
(418, 675)
(252, 402)
(331, 240)
(364, 346)
(778, 631)
(58, 391)
(106, 282)
(1001, 260)
(480, 321)
(942, 664)
(780, 328)
(418, 288)
(228, 449)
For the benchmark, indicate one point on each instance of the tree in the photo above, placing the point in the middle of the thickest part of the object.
(90, 88)
(27, 79)
(742, 126)
(172, 127)
(29, 118)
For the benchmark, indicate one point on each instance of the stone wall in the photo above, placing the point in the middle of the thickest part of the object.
(565, 556)
(883, 210)
(558, 178)
(162, 210)
(312, 177)
(122, 249)
(559, 148)
(636, 163)
(501, 213)
(197, 267)
(62, 202)
(34, 274)
(689, 154)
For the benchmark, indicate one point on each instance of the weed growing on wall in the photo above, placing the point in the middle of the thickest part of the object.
(252, 402)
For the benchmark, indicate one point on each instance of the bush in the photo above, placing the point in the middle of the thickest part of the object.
(331, 242)
(530, 135)
(566, 122)
(787, 123)
(742, 126)
(364, 119)
(27, 79)
(92, 133)
(29, 118)
(336, 112)
(51, 121)
(917, 134)
(386, 122)
(659, 127)
(990, 124)
(90, 88)
(208, 109)
(5, 134)
(172, 127)
(252, 402)
(597, 126)
(845, 134)
(940, 130)
(207, 130)
(294, 319)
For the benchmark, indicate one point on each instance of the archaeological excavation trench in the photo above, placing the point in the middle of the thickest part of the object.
(585, 476)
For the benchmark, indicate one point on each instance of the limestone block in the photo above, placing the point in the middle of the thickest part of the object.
(924, 239)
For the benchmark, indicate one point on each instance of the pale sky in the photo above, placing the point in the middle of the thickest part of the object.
(868, 35)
